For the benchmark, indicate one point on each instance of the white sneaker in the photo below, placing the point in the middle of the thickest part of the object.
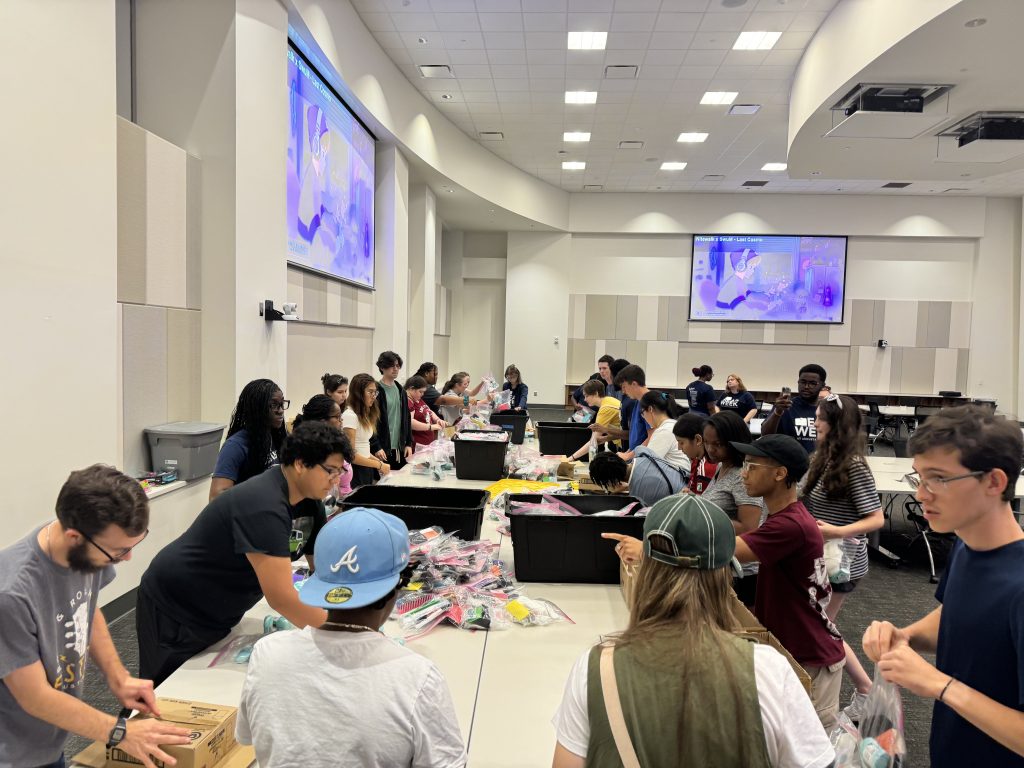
(855, 710)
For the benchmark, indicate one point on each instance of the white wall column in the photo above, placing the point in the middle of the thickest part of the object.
(423, 271)
(538, 275)
(58, 215)
(451, 276)
(391, 250)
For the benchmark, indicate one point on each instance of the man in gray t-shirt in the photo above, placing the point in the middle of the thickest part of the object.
(49, 591)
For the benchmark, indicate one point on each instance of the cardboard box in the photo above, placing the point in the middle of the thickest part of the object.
(212, 730)
(745, 624)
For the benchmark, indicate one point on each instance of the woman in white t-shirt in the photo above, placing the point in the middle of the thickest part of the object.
(359, 422)
(659, 411)
(456, 397)
(678, 685)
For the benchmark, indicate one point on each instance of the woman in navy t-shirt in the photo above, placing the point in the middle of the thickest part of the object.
(737, 399)
(701, 394)
(514, 382)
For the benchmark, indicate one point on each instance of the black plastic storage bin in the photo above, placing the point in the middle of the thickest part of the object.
(562, 438)
(479, 459)
(513, 423)
(565, 549)
(456, 510)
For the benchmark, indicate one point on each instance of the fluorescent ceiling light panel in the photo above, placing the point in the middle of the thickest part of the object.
(587, 41)
(756, 41)
(719, 97)
(692, 138)
(575, 136)
(581, 97)
(573, 165)
(773, 167)
(672, 166)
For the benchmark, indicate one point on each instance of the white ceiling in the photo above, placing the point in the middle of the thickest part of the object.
(512, 69)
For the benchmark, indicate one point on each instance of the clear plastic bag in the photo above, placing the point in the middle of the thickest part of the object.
(838, 559)
(503, 401)
(236, 651)
(879, 741)
(583, 416)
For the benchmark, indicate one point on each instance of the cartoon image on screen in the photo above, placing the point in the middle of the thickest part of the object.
(330, 180)
(768, 278)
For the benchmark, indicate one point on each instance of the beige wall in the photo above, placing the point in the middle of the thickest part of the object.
(58, 216)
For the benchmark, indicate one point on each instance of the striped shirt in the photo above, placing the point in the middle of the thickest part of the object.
(859, 500)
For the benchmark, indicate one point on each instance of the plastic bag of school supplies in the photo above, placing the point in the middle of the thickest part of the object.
(881, 730)
(845, 739)
(535, 612)
(236, 651)
(503, 401)
(838, 559)
(583, 416)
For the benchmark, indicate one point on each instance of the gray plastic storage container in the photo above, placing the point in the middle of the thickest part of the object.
(189, 448)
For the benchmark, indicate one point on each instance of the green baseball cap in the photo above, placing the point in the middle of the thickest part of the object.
(699, 534)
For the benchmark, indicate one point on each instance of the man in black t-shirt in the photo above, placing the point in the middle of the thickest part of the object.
(795, 417)
(239, 549)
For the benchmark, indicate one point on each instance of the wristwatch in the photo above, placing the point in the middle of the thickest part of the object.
(120, 729)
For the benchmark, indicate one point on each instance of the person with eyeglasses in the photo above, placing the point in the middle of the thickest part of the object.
(326, 409)
(50, 584)
(967, 462)
(360, 421)
(839, 491)
(239, 549)
(795, 416)
(254, 436)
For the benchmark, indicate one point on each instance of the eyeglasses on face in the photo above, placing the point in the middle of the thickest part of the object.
(938, 484)
(332, 471)
(121, 554)
(745, 467)
(280, 405)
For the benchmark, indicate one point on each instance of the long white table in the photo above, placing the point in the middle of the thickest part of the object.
(505, 684)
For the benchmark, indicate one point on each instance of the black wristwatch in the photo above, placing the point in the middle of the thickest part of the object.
(120, 729)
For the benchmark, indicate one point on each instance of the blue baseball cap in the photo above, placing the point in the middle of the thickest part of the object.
(359, 558)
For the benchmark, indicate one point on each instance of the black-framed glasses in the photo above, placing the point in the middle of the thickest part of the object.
(280, 405)
(121, 555)
(332, 471)
(938, 484)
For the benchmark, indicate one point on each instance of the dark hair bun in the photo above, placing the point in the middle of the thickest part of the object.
(696, 371)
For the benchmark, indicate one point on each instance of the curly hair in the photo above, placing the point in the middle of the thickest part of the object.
(844, 444)
(312, 442)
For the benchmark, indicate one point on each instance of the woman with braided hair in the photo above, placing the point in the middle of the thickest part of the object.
(254, 435)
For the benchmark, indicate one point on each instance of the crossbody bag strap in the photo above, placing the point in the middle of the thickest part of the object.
(613, 708)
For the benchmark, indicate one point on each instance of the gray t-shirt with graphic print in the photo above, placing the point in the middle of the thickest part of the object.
(47, 615)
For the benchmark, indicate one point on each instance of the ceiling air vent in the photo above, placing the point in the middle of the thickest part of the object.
(754, 183)
(434, 71)
(713, 177)
(620, 72)
(491, 136)
(593, 187)
(896, 185)
(631, 145)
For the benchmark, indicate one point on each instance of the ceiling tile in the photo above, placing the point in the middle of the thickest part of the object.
(591, 5)
(501, 22)
(457, 22)
(414, 22)
(713, 41)
(504, 40)
(508, 6)
(675, 41)
(545, 22)
(545, 6)
(468, 57)
(462, 40)
(629, 41)
(592, 22)
(632, 22)
(498, 58)
(723, 22)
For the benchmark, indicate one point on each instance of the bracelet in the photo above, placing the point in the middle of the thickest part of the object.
(946, 688)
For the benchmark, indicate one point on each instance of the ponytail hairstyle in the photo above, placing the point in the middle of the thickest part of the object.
(367, 414)
(425, 369)
(332, 381)
(660, 401)
(843, 445)
(703, 372)
(455, 379)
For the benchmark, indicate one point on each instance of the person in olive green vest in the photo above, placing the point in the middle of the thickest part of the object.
(677, 687)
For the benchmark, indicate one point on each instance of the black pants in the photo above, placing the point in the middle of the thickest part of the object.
(164, 644)
(746, 589)
(363, 476)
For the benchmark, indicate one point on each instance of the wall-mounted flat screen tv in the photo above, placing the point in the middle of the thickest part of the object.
(330, 180)
(768, 278)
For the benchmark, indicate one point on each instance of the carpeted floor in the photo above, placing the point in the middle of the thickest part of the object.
(900, 595)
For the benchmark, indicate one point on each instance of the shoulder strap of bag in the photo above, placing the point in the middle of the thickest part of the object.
(613, 707)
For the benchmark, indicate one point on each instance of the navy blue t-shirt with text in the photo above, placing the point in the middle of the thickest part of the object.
(798, 422)
(701, 395)
(981, 644)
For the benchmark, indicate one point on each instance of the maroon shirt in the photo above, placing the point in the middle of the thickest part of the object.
(793, 587)
(421, 412)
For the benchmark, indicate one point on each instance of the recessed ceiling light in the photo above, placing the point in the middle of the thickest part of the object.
(574, 165)
(575, 136)
(587, 41)
(692, 138)
(422, 40)
(756, 41)
(773, 167)
(719, 97)
(581, 97)
(672, 166)
(744, 109)
(975, 23)
(436, 71)
(446, 96)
